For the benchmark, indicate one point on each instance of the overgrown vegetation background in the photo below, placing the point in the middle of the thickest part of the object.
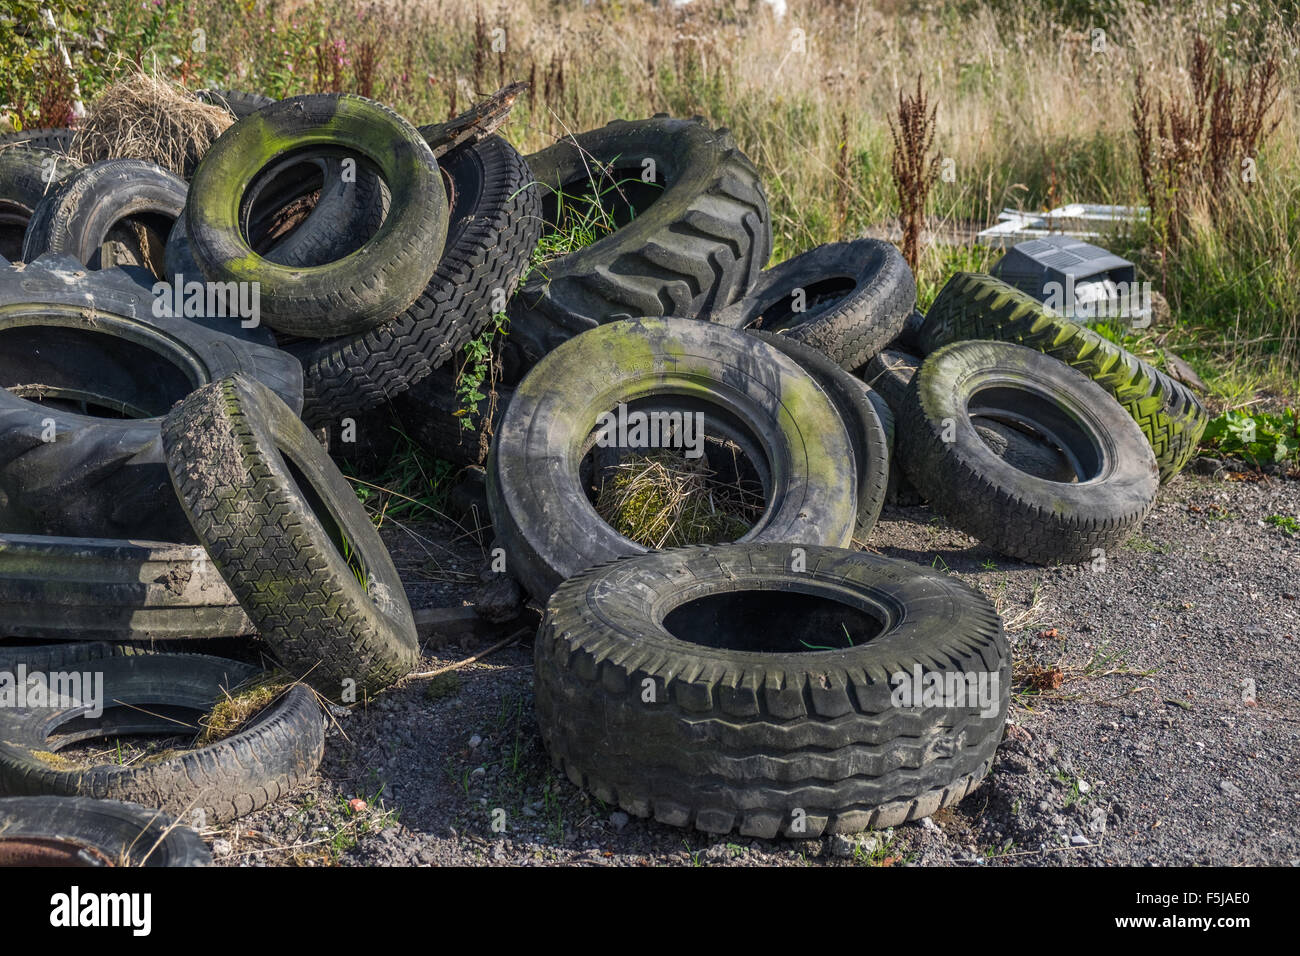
(1037, 103)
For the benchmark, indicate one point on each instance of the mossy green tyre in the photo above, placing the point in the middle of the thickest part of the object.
(1019, 514)
(741, 386)
(291, 539)
(710, 687)
(364, 288)
(975, 306)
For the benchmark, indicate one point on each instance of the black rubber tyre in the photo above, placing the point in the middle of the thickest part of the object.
(748, 391)
(869, 440)
(26, 177)
(239, 102)
(142, 694)
(712, 687)
(72, 342)
(435, 419)
(361, 290)
(1019, 514)
(974, 306)
(86, 589)
(687, 248)
(889, 374)
(58, 139)
(128, 202)
(82, 831)
(275, 515)
(495, 223)
(909, 337)
(856, 296)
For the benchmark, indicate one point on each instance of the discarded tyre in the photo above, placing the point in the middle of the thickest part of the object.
(495, 223)
(239, 102)
(1037, 519)
(758, 403)
(145, 695)
(26, 177)
(360, 290)
(435, 417)
(690, 230)
(889, 374)
(87, 370)
(973, 306)
(80, 831)
(287, 533)
(87, 589)
(770, 689)
(57, 139)
(846, 299)
(859, 410)
(128, 205)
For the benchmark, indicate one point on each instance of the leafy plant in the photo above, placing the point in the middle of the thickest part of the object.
(1256, 437)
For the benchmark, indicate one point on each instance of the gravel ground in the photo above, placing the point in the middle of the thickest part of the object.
(1154, 721)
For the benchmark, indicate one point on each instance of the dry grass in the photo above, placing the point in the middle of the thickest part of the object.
(238, 708)
(667, 501)
(145, 117)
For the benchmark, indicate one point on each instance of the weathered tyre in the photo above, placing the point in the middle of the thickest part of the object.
(860, 412)
(724, 688)
(889, 374)
(846, 299)
(750, 394)
(495, 223)
(974, 306)
(26, 177)
(88, 589)
(687, 243)
(361, 290)
(434, 417)
(86, 373)
(1023, 515)
(128, 203)
(909, 337)
(286, 531)
(148, 694)
(240, 103)
(82, 831)
(58, 139)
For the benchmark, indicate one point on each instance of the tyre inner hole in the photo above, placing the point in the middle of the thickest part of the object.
(772, 621)
(1034, 434)
(596, 202)
(88, 372)
(664, 494)
(781, 314)
(285, 195)
(136, 240)
(343, 545)
(13, 224)
(126, 734)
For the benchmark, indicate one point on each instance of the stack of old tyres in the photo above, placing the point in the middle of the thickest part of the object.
(173, 351)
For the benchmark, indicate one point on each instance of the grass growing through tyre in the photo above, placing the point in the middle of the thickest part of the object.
(664, 500)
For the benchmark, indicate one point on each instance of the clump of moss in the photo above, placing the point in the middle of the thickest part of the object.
(56, 761)
(442, 687)
(665, 500)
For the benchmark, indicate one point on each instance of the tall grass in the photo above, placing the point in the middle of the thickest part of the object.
(1033, 107)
